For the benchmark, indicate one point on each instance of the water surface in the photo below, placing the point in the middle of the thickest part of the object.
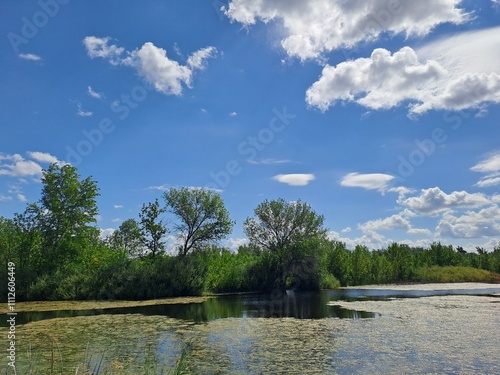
(377, 330)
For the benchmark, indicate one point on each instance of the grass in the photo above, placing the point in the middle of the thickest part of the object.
(91, 365)
(455, 274)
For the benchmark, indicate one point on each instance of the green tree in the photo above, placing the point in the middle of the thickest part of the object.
(280, 223)
(202, 217)
(293, 234)
(152, 227)
(65, 215)
(128, 237)
(68, 205)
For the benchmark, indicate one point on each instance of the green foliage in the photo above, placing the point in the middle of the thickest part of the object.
(59, 255)
(152, 227)
(454, 274)
(279, 224)
(128, 237)
(202, 217)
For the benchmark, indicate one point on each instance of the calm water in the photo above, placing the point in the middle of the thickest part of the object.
(381, 330)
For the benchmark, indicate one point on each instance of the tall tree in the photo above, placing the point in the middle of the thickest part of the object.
(66, 214)
(279, 223)
(128, 237)
(68, 204)
(292, 233)
(202, 217)
(152, 227)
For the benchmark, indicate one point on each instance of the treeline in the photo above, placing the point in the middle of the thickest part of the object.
(59, 255)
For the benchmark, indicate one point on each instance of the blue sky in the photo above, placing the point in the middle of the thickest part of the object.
(381, 115)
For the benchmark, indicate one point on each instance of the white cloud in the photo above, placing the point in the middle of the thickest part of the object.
(420, 231)
(314, 27)
(484, 223)
(116, 220)
(117, 206)
(21, 198)
(269, 161)
(95, 94)
(98, 47)
(235, 243)
(21, 168)
(295, 179)
(106, 232)
(370, 239)
(81, 112)
(152, 63)
(491, 166)
(197, 59)
(166, 187)
(30, 56)
(17, 166)
(370, 181)
(346, 230)
(434, 200)
(4, 198)
(43, 157)
(454, 73)
(396, 221)
(488, 181)
(233, 114)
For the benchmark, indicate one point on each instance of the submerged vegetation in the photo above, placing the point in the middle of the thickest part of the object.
(59, 254)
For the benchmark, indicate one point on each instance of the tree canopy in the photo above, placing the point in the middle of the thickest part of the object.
(279, 223)
(201, 216)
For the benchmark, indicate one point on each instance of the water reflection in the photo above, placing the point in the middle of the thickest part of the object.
(304, 305)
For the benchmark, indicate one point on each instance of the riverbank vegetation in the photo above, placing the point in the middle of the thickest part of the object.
(59, 254)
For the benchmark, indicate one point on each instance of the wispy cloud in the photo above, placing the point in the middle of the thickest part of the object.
(269, 161)
(80, 112)
(117, 206)
(491, 166)
(95, 94)
(166, 187)
(30, 56)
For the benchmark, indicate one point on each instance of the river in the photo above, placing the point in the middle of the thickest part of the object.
(417, 329)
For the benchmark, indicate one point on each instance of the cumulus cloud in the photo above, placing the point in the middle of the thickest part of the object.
(295, 179)
(491, 166)
(370, 181)
(99, 47)
(18, 166)
(434, 200)
(314, 27)
(396, 221)
(483, 223)
(151, 63)
(454, 73)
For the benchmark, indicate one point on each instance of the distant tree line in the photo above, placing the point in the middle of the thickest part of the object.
(59, 253)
